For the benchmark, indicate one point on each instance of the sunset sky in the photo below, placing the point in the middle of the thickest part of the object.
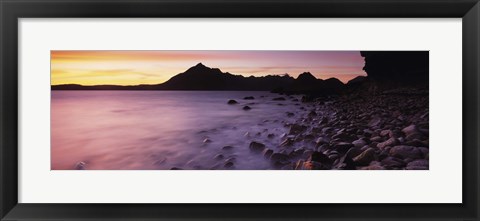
(154, 67)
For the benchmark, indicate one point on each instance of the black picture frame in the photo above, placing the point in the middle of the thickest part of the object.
(12, 10)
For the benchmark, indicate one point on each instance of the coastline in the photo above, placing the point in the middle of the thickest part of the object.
(355, 132)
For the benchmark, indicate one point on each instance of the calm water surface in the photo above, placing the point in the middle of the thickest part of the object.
(118, 130)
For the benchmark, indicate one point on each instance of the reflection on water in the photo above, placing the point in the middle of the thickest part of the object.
(115, 130)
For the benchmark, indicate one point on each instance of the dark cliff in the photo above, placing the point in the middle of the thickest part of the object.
(397, 68)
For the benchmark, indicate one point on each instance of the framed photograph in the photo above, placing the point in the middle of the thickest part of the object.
(227, 110)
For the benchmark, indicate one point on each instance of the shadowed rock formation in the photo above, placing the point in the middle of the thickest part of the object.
(397, 68)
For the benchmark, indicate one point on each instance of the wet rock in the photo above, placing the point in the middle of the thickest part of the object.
(342, 147)
(384, 133)
(359, 143)
(353, 152)
(415, 143)
(418, 165)
(296, 153)
(414, 136)
(290, 114)
(365, 157)
(406, 152)
(374, 165)
(287, 142)
(270, 136)
(267, 153)
(376, 139)
(425, 152)
(232, 102)
(246, 108)
(344, 136)
(257, 147)
(312, 114)
(390, 142)
(229, 164)
(375, 122)
(80, 165)
(321, 158)
(176, 168)
(410, 130)
(393, 163)
(249, 98)
(227, 148)
(279, 99)
(297, 128)
(322, 140)
(346, 163)
(309, 137)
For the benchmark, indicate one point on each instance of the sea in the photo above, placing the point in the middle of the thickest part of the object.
(162, 130)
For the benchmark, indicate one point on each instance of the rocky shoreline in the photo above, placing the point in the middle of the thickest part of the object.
(355, 132)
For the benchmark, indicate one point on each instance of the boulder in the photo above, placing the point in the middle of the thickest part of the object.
(405, 152)
(365, 157)
(418, 165)
(390, 142)
(297, 128)
(393, 163)
(359, 143)
(257, 147)
(232, 102)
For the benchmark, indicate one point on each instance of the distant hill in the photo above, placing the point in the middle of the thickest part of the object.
(201, 77)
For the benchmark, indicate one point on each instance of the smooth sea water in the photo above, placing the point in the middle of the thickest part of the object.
(139, 130)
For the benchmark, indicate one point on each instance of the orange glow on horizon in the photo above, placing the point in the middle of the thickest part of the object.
(154, 67)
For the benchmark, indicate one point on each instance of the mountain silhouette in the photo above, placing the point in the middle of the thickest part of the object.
(201, 77)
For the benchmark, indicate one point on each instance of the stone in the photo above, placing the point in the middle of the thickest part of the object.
(418, 165)
(376, 139)
(359, 143)
(229, 164)
(297, 152)
(206, 140)
(257, 147)
(390, 142)
(80, 165)
(227, 148)
(404, 152)
(287, 142)
(249, 98)
(342, 147)
(375, 122)
(296, 129)
(321, 158)
(290, 114)
(232, 102)
(322, 140)
(246, 108)
(270, 136)
(410, 130)
(267, 153)
(374, 166)
(393, 163)
(365, 157)
(384, 133)
(354, 151)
